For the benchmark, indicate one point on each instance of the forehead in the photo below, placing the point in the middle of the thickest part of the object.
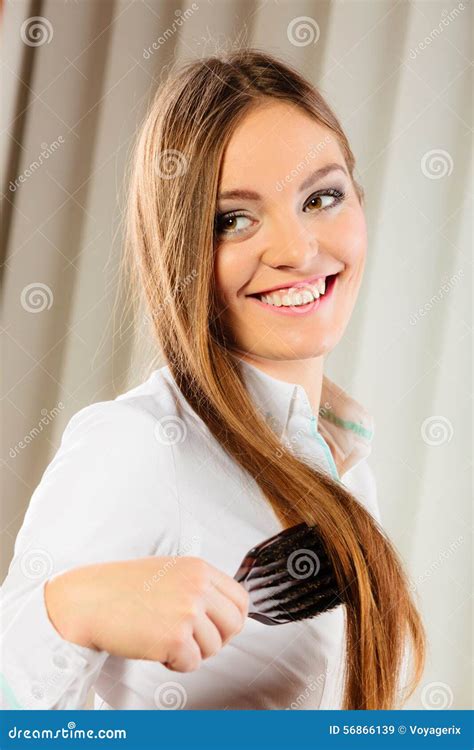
(273, 140)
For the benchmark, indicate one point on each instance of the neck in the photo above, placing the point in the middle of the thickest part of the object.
(305, 372)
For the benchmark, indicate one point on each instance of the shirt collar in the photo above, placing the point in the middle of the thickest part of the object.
(344, 423)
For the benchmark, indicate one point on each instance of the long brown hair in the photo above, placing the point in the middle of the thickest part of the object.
(170, 244)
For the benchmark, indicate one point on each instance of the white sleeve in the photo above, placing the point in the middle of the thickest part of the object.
(108, 494)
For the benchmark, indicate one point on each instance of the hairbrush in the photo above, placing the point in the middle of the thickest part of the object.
(289, 577)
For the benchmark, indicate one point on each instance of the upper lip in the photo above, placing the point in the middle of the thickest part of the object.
(298, 283)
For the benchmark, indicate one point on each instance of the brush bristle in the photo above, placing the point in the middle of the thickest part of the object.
(290, 577)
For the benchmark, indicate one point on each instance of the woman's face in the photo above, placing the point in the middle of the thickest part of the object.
(293, 227)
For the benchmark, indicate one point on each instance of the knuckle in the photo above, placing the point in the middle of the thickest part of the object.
(197, 572)
(179, 639)
(193, 663)
(215, 648)
(234, 626)
(193, 611)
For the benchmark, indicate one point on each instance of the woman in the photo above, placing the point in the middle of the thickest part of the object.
(242, 185)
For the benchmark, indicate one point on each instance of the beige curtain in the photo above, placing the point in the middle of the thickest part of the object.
(77, 77)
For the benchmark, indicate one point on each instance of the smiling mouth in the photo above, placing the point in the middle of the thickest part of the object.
(296, 296)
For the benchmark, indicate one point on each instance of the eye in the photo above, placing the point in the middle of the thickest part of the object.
(316, 200)
(227, 223)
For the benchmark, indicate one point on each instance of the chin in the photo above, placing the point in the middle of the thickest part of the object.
(319, 344)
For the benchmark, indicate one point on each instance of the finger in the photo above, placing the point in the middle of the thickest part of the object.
(231, 589)
(224, 613)
(207, 636)
(184, 658)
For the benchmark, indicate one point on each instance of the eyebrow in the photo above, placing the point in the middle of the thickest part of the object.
(251, 195)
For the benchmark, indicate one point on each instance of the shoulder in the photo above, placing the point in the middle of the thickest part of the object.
(111, 486)
(119, 449)
(134, 420)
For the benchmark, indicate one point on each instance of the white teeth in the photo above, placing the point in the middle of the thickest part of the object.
(292, 297)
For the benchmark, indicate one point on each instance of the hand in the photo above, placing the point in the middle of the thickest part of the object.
(175, 610)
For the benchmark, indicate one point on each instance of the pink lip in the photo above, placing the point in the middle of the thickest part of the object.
(293, 284)
(300, 310)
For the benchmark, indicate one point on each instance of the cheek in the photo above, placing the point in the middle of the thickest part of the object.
(350, 238)
(232, 272)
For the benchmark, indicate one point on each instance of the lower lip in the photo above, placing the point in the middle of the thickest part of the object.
(307, 309)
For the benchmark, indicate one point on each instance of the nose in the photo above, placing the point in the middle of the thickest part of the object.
(291, 245)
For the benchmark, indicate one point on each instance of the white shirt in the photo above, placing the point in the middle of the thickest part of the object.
(141, 475)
